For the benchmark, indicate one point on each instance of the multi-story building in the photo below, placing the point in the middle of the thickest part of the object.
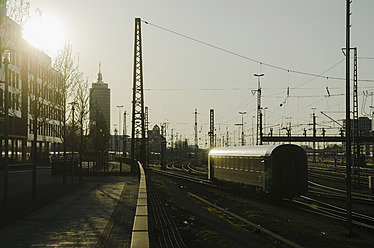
(45, 96)
(364, 126)
(100, 102)
(34, 93)
(10, 42)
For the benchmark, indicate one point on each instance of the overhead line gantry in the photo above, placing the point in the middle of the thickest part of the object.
(138, 138)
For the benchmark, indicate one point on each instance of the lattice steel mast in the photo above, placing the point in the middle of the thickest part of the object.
(211, 131)
(195, 129)
(138, 130)
(348, 119)
(146, 161)
(259, 113)
(356, 127)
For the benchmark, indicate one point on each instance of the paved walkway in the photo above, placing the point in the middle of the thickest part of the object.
(100, 210)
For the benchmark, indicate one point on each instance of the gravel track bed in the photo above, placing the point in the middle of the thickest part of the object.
(303, 228)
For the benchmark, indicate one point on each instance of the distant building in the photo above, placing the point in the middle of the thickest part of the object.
(118, 141)
(100, 102)
(364, 126)
(155, 140)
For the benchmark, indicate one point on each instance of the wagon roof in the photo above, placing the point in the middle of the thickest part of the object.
(258, 151)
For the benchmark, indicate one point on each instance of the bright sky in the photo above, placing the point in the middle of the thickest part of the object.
(181, 75)
(46, 32)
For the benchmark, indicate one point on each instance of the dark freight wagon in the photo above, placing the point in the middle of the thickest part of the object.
(276, 169)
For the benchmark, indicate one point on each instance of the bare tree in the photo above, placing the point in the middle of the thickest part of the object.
(81, 99)
(67, 65)
(13, 16)
(36, 103)
(19, 10)
(99, 135)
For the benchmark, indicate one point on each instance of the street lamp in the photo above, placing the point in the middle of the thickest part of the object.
(73, 143)
(253, 130)
(264, 109)
(242, 113)
(258, 133)
(119, 126)
(115, 139)
(6, 62)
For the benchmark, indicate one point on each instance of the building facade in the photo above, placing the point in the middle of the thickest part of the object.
(34, 93)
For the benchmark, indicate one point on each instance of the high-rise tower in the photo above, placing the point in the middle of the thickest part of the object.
(100, 101)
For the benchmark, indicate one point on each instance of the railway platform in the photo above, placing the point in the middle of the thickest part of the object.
(98, 211)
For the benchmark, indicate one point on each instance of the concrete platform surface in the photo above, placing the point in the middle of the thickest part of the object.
(79, 218)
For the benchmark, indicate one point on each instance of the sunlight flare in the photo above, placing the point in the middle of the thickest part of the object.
(46, 33)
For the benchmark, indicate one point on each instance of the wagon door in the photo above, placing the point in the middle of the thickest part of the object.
(290, 171)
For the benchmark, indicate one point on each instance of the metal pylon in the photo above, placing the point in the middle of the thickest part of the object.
(138, 130)
(146, 136)
(356, 144)
(211, 131)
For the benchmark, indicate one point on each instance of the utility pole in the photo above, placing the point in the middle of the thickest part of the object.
(242, 125)
(163, 145)
(138, 130)
(348, 120)
(263, 124)
(116, 132)
(124, 136)
(227, 136)
(146, 135)
(356, 128)
(314, 135)
(73, 143)
(177, 144)
(119, 128)
(196, 138)
(172, 144)
(211, 131)
(253, 131)
(243, 141)
(34, 145)
(6, 62)
(259, 114)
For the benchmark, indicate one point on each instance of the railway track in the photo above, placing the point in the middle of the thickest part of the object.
(335, 212)
(186, 177)
(186, 166)
(313, 187)
(338, 174)
(164, 231)
(331, 192)
(310, 204)
(255, 226)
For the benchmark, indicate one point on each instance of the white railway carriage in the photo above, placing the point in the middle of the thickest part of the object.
(276, 169)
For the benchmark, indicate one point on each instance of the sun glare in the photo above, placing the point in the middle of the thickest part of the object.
(46, 33)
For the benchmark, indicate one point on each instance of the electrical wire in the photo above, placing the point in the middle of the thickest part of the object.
(202, 89)
(251, 59)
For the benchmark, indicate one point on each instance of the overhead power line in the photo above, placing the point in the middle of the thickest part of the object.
(199, 89)
(251, 59)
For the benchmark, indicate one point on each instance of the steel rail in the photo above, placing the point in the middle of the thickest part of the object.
(335, 212)
(253, 225)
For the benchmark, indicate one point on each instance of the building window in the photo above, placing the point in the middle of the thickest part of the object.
(17, 80)
(10, 99)
(17, 101)
(1, 98)
(31, 127)
(13, 101)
